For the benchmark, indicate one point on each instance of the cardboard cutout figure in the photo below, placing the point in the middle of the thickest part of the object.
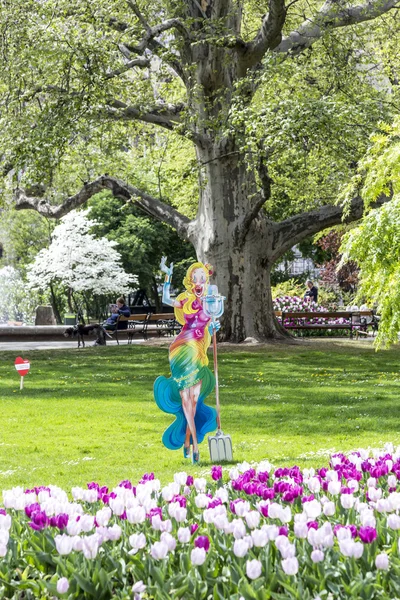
(183, 394)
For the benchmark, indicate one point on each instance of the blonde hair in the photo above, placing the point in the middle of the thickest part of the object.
(189, 296)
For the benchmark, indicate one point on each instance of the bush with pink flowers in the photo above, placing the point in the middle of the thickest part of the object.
(252, 532)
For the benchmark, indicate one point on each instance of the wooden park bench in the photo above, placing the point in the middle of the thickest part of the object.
(352, 320)
(143, 324)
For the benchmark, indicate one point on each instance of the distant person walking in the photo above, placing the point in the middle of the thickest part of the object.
(312, 292)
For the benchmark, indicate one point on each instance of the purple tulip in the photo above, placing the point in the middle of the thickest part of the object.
(263, 477)
(202, 541)
(283, 531)
(194, 527)
(216, 472)
(31, 508)
(3, 511)
(147, 477)
(189, 480)
(181, 500)
(312, 525)
(307, 498)
(367, 534)
(250, 488)
(153, 512)
(128, 485)
(215, 502)
(264, 510)
(39, 520)
(60, 521)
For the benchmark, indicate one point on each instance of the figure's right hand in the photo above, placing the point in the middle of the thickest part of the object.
(163, 266)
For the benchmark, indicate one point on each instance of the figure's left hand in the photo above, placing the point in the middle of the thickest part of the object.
(214, 326)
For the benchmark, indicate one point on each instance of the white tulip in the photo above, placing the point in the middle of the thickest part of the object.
(138, 587)
(103, 516)
(168, 539)
(300, 529)
(198, 556)
(252, 519)
(90, 546)
(63, 544)
(137, 540)
(201, 501)
(200, 484)
(180, 478)
(159, 550)
(312, 509)
(242, 508)
(240, 548)
(117, 506)
(253, 569)
(317, 556)
(62, 585)
(314, 485)
(382, 562)
(329, 509)
(5, 522)
(393, 521)
(347, 501)
(259, 537)
(239, 529)
(184, 535)
(290, 565)
(136, 515)
(334, 487)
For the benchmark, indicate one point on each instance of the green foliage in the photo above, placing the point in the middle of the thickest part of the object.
(141, 240)
(375, 244)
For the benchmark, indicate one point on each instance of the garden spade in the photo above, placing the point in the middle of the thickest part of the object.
(220, 444)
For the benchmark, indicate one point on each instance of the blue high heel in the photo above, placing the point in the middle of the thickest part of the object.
(196, 458)
(186, 451)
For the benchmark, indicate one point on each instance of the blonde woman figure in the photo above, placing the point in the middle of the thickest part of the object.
(183, 394)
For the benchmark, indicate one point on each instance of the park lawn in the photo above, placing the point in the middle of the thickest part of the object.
(90, 415)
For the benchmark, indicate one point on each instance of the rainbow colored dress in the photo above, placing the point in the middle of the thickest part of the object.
(188, 361)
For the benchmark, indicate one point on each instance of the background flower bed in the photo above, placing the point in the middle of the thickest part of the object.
(289, 304)
(252, 532)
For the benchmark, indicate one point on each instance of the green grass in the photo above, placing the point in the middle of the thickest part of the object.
(90, 415)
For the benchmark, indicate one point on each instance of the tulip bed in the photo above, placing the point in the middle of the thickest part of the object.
(251, 532)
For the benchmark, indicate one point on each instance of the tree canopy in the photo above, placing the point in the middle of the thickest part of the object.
(256, 114)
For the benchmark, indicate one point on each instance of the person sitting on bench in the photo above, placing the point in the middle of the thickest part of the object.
(312, 292)
(117, 309)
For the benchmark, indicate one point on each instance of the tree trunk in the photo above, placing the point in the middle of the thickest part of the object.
(242, 263)
(54, 304)
(156, 297)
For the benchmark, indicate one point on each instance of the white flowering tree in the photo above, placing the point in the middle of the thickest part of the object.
(79, 262)
(17, 303)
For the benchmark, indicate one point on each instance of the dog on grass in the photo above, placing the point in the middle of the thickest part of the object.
(80, 331)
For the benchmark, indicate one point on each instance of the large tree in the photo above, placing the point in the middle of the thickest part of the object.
(74, 71)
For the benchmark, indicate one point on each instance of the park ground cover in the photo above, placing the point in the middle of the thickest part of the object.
(90, 415)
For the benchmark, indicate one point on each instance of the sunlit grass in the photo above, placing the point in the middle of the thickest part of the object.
(90, 415)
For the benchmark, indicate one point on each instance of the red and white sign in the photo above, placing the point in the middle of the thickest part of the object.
(22, 366)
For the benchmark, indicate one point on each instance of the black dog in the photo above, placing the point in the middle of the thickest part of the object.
(80, 331)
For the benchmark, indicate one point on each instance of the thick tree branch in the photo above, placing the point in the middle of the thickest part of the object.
(168, 116)
(269, 35)
(332, 15)
(140, 62)
(165, 115)
(120, 189)
(290, 232)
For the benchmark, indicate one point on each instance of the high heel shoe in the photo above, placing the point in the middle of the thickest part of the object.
(186, 451)
(196, 458)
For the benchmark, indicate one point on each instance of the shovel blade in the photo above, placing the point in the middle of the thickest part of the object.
(220, 447)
